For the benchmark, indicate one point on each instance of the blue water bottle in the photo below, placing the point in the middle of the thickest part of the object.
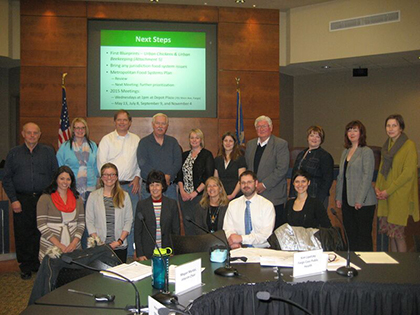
(159, 264)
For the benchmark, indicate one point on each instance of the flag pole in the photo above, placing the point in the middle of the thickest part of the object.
(240, 134)
(63, 78)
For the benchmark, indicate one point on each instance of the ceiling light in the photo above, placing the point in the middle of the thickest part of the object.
(154, 0)
(240, 1)
(326, 67)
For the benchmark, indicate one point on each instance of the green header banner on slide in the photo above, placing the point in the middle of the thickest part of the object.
(153, 39)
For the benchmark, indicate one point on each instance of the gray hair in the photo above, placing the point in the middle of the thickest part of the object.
(263, 118)
(160, 114)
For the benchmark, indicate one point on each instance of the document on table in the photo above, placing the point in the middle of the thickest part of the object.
(376, 258)
(337, 262)
(263, 256)
(134, 271)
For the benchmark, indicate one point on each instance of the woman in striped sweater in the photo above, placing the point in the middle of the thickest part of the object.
(60, 214)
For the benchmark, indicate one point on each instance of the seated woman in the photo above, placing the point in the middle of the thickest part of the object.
(305, 211)
(109, 215)
(160, 214)
(60, 214)
(211, 210)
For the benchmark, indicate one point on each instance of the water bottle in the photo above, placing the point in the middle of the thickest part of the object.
(158, 267)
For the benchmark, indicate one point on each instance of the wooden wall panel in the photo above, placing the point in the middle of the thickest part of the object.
(53, 8)
(153, 12)
(250, 133)
(249, 16)
(259, 94)
(40, 91)
(248, 46)
(178, 128)
(53, 41)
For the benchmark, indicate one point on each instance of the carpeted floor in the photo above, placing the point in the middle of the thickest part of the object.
(14, 292)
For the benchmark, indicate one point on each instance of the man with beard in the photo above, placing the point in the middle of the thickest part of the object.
(249, 219)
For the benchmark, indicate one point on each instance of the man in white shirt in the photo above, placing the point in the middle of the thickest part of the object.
(249, 219)
(120, 148)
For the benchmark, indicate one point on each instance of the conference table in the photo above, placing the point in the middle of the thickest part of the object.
(378, 289)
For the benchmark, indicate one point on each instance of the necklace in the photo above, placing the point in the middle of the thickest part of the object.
(213, 215)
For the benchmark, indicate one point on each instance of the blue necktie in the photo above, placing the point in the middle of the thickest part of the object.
(248, 223)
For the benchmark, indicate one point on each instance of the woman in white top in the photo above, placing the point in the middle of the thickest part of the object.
(109, 213)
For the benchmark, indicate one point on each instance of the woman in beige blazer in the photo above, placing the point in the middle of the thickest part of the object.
(354, 191)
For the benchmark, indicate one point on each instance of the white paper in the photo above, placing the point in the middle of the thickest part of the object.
(309, 263)
(134, 271)
(376, 258)
(338, 262)
(154, 306)
(188, 276)
(263, 256)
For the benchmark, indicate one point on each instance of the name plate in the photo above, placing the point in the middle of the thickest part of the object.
(188, 276)
(309, 263)
(154, 306)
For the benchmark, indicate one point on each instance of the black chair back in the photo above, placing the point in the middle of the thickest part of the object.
(196, 243)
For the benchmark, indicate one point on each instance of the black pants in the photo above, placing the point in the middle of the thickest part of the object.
(280, 216)
(358, 224)
(26, 233)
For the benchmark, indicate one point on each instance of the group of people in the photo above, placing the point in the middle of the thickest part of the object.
(100, 191)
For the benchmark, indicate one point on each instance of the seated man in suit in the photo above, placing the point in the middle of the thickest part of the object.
(249, 219)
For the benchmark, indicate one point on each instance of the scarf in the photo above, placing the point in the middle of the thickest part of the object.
(388, 155)
(59, 203)
(82, 154)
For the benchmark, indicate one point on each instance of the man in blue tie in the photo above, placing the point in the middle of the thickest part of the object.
(249, 219)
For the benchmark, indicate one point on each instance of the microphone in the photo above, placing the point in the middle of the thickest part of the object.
(227, 270)
(266, 296)
(165, 296)
(132, 309)
(346, 271)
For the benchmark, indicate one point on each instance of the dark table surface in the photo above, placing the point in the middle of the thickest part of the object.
(406, 272)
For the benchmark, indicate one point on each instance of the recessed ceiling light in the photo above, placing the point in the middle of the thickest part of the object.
(326, 67)
(240, 1)
(254, 5)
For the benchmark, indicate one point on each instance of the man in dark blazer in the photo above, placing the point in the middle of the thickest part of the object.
(268, 157)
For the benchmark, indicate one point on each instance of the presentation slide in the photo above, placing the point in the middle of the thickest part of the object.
(152, 70)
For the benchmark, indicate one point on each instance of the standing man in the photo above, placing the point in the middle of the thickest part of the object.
(29, 169)
(119, 147)
(249, 219)
(268, 157)
(159, 152)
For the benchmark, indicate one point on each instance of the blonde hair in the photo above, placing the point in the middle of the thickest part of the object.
(118, 196)
(199, 133)
(223, 199)
(80, 120)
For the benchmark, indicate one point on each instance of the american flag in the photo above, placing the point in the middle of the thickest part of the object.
(64, 126)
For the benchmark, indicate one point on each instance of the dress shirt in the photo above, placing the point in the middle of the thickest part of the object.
(28, 172)
(121, 151)
(263, 143)
(262, 217)
(153, 156)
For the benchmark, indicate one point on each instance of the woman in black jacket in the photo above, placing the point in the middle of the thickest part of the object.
(305, 211)
(318, 163)
(197, 167)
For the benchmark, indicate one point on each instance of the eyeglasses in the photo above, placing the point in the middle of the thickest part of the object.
(262, 127)
(79, 128)
(332, 257)
(109, 175)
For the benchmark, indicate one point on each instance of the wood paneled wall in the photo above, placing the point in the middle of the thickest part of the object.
(54, 40)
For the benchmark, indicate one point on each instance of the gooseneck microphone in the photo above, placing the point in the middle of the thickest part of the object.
(227, 270)
(132, 309)
(266, 296)
(345, 271)
(165, 296)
